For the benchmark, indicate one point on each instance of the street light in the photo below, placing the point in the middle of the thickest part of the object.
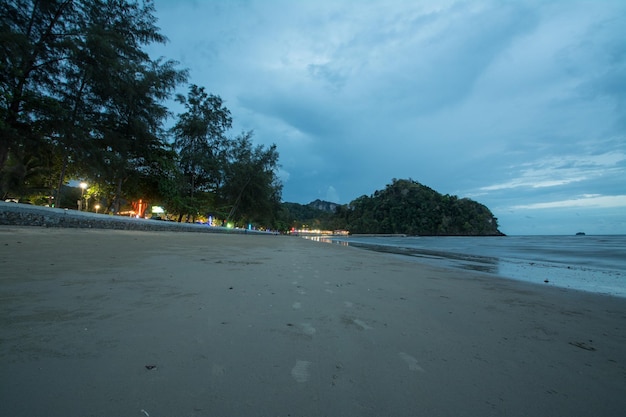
(97, 208)
(83, 186)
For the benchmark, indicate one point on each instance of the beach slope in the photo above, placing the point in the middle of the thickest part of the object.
(171, 324)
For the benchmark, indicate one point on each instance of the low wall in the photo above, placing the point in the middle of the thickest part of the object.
(15, 214)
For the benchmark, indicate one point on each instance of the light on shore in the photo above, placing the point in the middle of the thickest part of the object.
(83, 187)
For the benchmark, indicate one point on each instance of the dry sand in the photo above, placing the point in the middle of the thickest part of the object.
(247, 325)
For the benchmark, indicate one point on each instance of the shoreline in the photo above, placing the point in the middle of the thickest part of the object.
(543, 272)
(15, 214)
(111, 322)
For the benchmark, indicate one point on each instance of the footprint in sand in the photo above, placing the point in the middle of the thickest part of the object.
(218, 370)
(362, 324)
(411, 362)
(358, 323)
(308, 329)
(300, 372)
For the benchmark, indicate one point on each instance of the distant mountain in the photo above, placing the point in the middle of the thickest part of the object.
(326, 206)
(309, 216)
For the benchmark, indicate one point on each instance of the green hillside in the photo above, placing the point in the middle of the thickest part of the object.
(403, 207)
(408, 207)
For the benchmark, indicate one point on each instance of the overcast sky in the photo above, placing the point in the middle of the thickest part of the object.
(519, 105)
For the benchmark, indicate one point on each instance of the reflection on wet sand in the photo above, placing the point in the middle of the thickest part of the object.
(479, 263)
(469, 262)
(326, 239)
(594, 263)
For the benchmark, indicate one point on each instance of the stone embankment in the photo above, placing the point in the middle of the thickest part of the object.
(15, 214)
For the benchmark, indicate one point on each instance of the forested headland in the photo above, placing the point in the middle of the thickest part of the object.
(403, 207)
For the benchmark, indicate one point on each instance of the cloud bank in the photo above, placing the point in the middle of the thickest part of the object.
(519, 105)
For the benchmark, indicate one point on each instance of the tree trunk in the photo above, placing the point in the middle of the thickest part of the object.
(236, 205)
(4, 151)
(118, 193)
(57, 204)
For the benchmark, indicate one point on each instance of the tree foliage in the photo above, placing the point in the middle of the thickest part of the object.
(81, 99)
(201, 142)
(74, 77)
(251, 188)
(231, 176)
(35, 42)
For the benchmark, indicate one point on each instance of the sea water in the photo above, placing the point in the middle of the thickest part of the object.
(588, 263)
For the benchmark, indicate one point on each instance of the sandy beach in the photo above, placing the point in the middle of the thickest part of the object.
(174, 324)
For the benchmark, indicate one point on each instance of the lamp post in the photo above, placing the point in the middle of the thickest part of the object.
(97, 208)
(83, 186)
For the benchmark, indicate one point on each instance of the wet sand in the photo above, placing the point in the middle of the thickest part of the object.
(168, 324)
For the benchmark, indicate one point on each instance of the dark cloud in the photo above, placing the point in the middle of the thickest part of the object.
(519, 105)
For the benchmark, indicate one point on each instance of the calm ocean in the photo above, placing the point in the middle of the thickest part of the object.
(588, 263)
